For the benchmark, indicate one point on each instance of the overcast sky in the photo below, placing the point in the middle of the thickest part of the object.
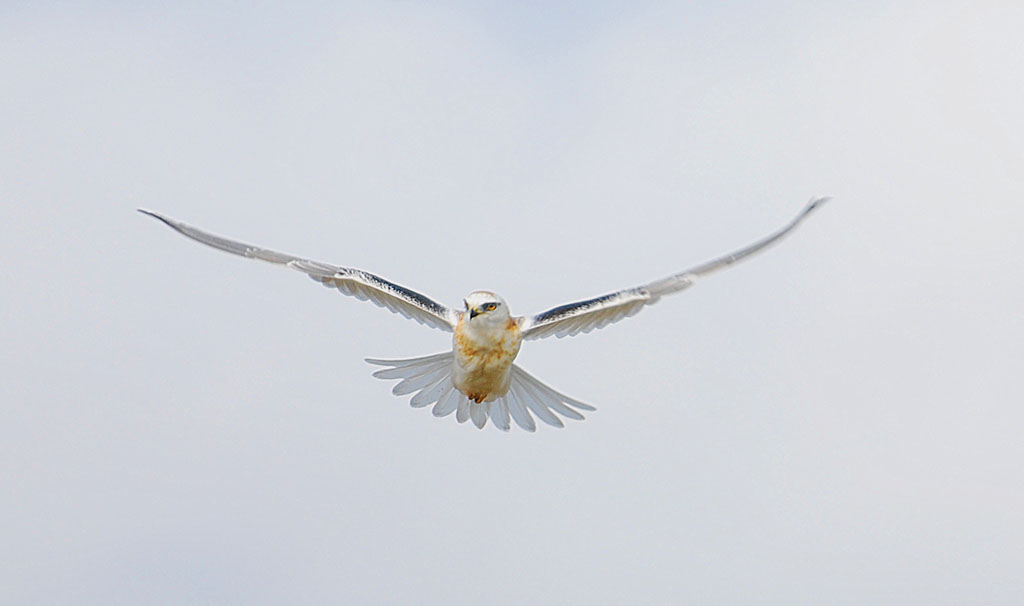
(836, 421)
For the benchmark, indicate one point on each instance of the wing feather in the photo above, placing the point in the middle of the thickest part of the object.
(354, 282)
(584, 316)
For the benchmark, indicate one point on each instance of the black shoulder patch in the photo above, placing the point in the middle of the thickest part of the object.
(569, 309)
(409, 295)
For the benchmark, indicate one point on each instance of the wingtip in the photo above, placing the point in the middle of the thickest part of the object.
(818, 201)
(156, 216)
(814, 204)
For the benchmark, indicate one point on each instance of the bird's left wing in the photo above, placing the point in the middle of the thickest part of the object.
(585, 316)
(357, 283)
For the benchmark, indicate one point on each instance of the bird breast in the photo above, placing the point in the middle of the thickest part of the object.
(483, 357)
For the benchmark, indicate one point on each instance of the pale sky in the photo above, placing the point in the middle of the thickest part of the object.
(837, 421)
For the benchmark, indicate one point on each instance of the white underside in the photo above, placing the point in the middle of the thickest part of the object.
(429, 378)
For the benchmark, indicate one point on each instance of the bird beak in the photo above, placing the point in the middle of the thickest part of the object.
(474, 312)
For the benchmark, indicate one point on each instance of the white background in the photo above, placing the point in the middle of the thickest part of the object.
(836, 421)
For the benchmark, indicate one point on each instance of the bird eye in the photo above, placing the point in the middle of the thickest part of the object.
(490, 306)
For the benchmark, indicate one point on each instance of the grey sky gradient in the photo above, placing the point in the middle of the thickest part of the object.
(836, 421)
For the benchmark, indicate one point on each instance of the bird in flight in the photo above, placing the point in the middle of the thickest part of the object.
(478, 379)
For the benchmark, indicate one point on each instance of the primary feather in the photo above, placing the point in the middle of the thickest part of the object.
(585, 316)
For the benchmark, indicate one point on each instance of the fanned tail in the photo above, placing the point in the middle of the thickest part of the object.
(429, 379)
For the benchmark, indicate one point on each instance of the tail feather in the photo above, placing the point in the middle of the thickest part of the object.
(540, 399)
(398, 372)
(432, 394)
(519, 413)
(407, 386)
(479, 414)
(552, 395)
(428, 378)
(462, 414)
(411, 361)
(535, 404)
(447, 405)
(555, 402)
(499, 414)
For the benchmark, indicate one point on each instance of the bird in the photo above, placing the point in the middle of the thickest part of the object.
(478, 379)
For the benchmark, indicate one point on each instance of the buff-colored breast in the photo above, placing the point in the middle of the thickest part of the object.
(483, 358)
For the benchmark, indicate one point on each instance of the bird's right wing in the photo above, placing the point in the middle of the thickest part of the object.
(585, 316)
(357, 283)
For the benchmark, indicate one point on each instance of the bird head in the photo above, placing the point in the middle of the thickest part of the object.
(485, 306)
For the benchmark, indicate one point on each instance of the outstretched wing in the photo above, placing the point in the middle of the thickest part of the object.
(585, 316)
(357, 283)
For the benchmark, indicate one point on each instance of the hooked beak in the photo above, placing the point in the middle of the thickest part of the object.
(474, 312)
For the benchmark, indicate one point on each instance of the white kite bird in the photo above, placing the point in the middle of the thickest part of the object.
(477, 379)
